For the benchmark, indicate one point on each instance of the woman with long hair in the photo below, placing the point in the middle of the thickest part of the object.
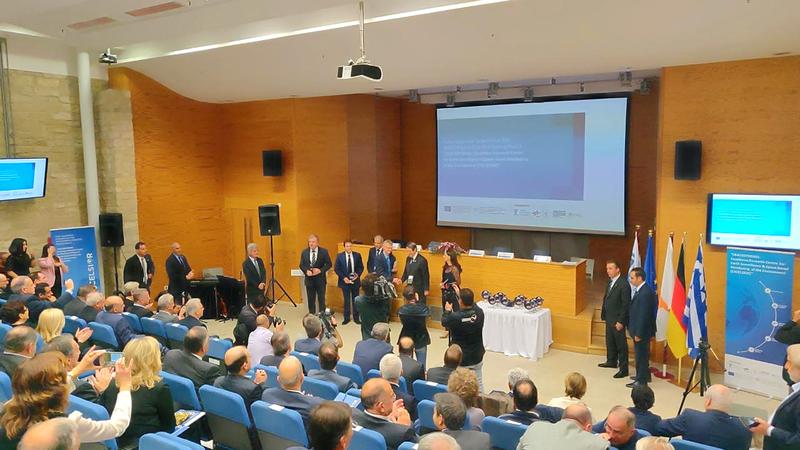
(152, 401)
(40, 392)
(51, 324)
(19, 261)
(451, 278)
(52, 268)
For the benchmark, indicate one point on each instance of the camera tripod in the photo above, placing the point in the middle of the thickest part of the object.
(274, 281)
(705, 379)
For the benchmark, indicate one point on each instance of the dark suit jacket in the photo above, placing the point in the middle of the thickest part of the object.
(368, 354)
(466, 330)
(9, 363)
(412, 371)
(419, 270)
(308, 345)
(440, 374)
(340, 267)
(151, 412)
(253, 278)
(409, 402)
(616, 302)
(323, 263)
(292, 400)
(133, 270)
(371, 259)
(176, 272)
(245, 387)
(380, 266)
(788, 334)
(140, 311)
(642, 312)
(183, 363)
(342, 383)
(191, 321)
(645, 420)
(470, 440)
(34, 305)
(393, 433)
(523, 417)
(76, 307)
(714, 428)
(272, 360)
(786, 434)
(122, 329)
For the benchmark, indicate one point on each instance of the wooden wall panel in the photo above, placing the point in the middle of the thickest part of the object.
(746, 113)
(389, 166)
(363, 167)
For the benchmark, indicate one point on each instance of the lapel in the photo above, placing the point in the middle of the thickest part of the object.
(792, 398)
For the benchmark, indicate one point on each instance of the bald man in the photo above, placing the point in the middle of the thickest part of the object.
(620, 429)
(572, 432)
(238, 363)
(782, 431)
(289, 395)
(111, 315)
(714, 427)
(412, 369)
(385, 414)
(179, 273)
(54, 434)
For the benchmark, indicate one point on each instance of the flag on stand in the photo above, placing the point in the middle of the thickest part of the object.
(665, 296)
(636, 259)
(694, 315)
(676, 329)
(650, 262)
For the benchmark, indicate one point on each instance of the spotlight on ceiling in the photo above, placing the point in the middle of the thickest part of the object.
(528, 94)
(492, 92)
(107, 57)
(451, 100)
(413, 96)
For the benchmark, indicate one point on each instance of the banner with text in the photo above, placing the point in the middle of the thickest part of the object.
(759, 302)
(77, 248)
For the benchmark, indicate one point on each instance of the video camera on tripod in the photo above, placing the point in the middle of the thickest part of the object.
(384, 289)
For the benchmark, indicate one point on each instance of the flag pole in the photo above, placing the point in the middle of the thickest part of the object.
(666, 342)
(709, 347)
(680, 360)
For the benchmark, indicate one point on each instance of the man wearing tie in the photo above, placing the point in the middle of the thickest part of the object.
(255, 273)
(642, 324)
(139, 267)
(349, 267)
(782, 430)
(416, 273)
(615, 314)
(374, 252)
(179, 273)
(386, 263)
(315, 262)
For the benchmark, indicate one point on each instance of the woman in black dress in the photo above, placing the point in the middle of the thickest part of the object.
(19, 261)
(451, 276)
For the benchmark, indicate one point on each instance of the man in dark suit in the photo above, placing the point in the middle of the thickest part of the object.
(328, 358)
(141, 303)
(449, 415)
(642, 324)
(782, 431)
(349, 267)
(620, 429)
(179, 273)
(281, 348)
(789, 334)
(374, 252)
(20, 346)
(255, 273)
(194, 311)
(714, 427)
(452, 359)
(412, 369)
(386, 263)
(391, 370)
(139, 267)
(525, 399)
(315, 330)
(78, 303)
(23, 290)
(112, 316)
(95, 302)
(368, 353)
(616, 300)
(416, 272)
(189, 363)
(289, 395)
(238, 363)
(315, 263)
(383, 415)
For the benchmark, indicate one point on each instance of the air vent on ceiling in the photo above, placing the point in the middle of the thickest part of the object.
(91, 23)
(155, 9)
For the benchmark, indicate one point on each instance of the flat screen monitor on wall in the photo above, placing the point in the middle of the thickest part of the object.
(754, 220)
(22, 178)
(547, 166)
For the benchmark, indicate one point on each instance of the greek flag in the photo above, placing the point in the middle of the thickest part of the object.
(695, 312)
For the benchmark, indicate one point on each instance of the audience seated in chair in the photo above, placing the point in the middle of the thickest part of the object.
(95, 303)
(439, 441)
(391, 370)
(246, 321)
(620, 429)
(79, 307)
(574, 390)
(714, 427)
(643, 399)
(525, 396)
(23, 289)
(315, 331)
(289, 395)
(412, 369)
(330, 426)
(383, 413)
(572, 432)
(152, 409)
(464, 383)
(89, 388)
(59, 433)
(368, 353)
(549, 413)
(328, 358)
(127, 294)
(452, 359)
(654, 443)
(259, 342)
(112, 316)
(141, 303)
(188, 362)
(166, 309)
(449, 415)
(194, 312)
(51, 325)
(14, 313)
(281, 348)
(238, 363)
(19, 346)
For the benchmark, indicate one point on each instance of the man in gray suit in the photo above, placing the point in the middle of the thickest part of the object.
(166, 308)
(449, 416)
(189, 363)
(572, 432)
(328, 357)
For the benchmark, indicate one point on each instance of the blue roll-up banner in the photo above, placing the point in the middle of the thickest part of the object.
(759, 302)
(77, 247)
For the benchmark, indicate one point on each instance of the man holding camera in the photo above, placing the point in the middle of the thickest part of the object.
(416, 273)
(348, 267)
(316, 330)
(373, 305)
(466, 330)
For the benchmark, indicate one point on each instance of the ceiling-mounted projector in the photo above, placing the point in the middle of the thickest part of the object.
(361, 67)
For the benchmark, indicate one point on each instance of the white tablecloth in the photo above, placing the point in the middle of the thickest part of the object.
(515, 331)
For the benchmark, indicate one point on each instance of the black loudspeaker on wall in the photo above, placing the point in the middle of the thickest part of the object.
(269, 220)
(687, 160)
(272, 163)
(111, 234)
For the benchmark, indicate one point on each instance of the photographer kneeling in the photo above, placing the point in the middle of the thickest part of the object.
(373, 303)
(319, 328)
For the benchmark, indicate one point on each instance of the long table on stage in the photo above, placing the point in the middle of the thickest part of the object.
(562, 285)
(516, 331)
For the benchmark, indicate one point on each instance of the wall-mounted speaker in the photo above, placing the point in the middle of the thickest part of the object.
(269, 220)
(111, 234)
(272, 163)
(687, 160)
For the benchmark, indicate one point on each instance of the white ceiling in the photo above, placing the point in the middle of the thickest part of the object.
(507, 40)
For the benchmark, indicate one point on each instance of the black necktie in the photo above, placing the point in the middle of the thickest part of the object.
(349, 264)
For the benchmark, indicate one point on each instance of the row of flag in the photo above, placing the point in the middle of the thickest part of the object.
(681, 315)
